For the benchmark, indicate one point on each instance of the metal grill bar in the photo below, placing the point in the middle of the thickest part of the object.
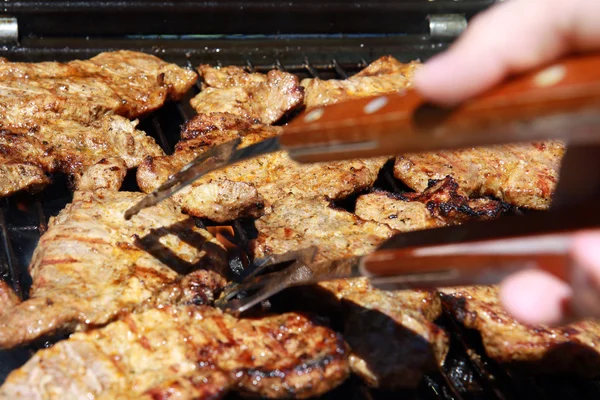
(164, 143)
(9, 260)
(185, 112)
(279, 65)
(338, 68)
(250, 66)
(309, 67)
(43, 226)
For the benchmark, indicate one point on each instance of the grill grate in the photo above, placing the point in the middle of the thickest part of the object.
(467, 373)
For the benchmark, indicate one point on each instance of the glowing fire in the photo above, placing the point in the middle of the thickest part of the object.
(226, 236)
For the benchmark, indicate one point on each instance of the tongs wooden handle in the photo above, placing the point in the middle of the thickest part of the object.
(549, 102)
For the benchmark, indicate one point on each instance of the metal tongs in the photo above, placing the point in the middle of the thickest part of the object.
(479, 253)
(560, 101)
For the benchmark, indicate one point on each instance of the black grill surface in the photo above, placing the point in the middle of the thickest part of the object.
(467, 372)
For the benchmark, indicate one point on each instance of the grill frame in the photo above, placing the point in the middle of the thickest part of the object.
(52, 18)
(24, 218)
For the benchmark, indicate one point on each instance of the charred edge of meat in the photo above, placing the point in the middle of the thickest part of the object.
(203, 124)
(442, 197)
(291, 114)
(561, 358)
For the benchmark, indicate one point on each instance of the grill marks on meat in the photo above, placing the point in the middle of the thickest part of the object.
(125, 83)
(91, 265)
(393, 338)
(441, 204)
(69, 117)
(573, 349)
(258, 97)
(187, 352)
(15, 175)
(524, 175)
(384, 75)
(403, 320)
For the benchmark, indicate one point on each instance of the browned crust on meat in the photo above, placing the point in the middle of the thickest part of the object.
(221, 196)
(571, 350)
(122, 82)
(261, 98)
(384, 75)
(296, 223)
(91, 265)
(524, 175)
(392, 334)
(68, 117)
(61, 146)
(108, 173)
(248, 188)
(393, 338)
(188, 350)
(203, 124)
(388, 65)
(440, 204)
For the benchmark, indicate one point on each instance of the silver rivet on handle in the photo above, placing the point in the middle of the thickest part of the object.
(314, 115)
(376, 105)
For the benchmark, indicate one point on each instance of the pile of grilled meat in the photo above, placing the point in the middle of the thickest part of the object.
(136, 295)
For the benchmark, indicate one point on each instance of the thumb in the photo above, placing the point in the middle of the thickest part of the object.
(509, 38)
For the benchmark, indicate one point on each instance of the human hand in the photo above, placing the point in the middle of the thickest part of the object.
(509, 38)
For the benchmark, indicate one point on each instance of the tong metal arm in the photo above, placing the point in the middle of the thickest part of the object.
(477, 253)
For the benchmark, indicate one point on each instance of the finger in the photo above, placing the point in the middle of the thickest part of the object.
(535, 297)
(509, 38)
(585, 252)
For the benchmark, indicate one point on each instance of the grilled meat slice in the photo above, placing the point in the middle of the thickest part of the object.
(396, 212)
(247, 188)
(258, 97)
(59, 117)
(125, 83)
(92, 265)
(524, 175)
(16, 173)
(187, 352)
(572, 349)
(75, 149)
(391, 334)
(296, 223)
(384, 75)
(221, 196)
(441, 204)
(108, 173)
